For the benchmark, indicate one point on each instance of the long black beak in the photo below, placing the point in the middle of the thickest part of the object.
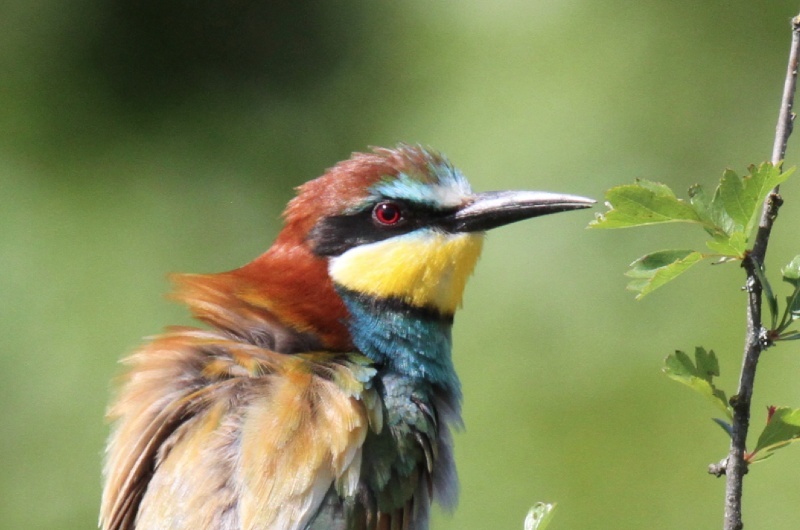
(497, 208)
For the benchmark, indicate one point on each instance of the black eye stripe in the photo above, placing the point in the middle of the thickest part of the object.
(332, 236)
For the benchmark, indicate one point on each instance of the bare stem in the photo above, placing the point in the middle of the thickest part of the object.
(756, 340)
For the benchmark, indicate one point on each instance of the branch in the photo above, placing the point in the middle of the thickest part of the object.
(756, 340)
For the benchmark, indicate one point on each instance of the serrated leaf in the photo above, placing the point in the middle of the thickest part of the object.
(700, 202)
(733, 245)
(723, 222)
(643, 203)
(782, 429)
(698, 375)
(742, 196)
(728, 218)
(539, 516)
(654, 270)
(738, 204)
(706, 363)
(716, 220)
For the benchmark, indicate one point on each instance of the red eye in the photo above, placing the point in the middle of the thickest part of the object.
(387, 213)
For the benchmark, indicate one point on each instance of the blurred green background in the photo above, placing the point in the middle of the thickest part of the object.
(140, 137)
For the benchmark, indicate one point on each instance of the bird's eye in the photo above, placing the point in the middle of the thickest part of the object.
(387, 213)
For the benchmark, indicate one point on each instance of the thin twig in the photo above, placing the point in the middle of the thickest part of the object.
(756, 340)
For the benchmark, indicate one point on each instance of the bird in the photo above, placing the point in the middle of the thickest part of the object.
(321, 391)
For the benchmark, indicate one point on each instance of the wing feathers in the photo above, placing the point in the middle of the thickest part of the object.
(299, 439)
(284, 428)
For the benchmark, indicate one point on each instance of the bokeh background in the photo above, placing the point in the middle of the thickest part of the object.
(139, 137)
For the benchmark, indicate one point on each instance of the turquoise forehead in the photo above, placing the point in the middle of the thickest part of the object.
(438, 184)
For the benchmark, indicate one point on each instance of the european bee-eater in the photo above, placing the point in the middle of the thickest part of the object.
(323, 394)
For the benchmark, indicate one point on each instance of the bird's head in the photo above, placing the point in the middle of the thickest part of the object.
(397, 224)
(404, 224)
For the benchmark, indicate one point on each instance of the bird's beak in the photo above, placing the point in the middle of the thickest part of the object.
(497, 208)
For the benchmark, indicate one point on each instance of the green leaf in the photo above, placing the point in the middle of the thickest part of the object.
(721, 218)
(743, 196)
(738, 204)
(791, 314)
(698, 375)
(782, 429)
(791, 272)
(716, 220)
(643, 203)
(654, 270)
(728, 217)
(701, 203)
(733, 245)
(539, 516)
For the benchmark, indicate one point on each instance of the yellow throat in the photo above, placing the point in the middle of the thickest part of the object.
(424, 269)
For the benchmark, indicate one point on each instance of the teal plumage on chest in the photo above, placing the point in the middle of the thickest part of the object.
(409, 341)
(421, 394)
